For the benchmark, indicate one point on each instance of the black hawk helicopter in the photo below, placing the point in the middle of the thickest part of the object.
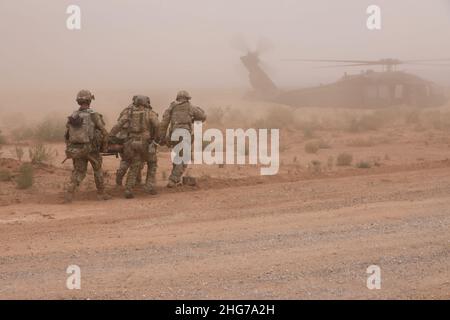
(368, 89)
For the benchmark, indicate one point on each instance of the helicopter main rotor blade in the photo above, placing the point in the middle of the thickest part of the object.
(428, 60)
(431, 64)
(343, 61)
(346, 65)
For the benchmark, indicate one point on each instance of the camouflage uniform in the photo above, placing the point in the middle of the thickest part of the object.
(89, 150)
(123, 169)
(180, 115)
(142, 125)
(125, 163)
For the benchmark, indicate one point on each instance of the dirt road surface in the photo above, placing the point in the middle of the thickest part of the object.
(272, 239)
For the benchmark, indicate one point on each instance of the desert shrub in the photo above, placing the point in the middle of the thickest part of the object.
(412, 117)
(361, 142)
(19, 152)
(216, 115)
(344, 159)
(372, 121)
(279, 117)
(5, 175)
(363, 165)
(22, 133)
(436, 120)
(308, 127)
(40, 154)
(314, 146)
(50, 130)
(315, 166)
(25, 178)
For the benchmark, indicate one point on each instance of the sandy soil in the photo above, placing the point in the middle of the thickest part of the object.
(302, 234)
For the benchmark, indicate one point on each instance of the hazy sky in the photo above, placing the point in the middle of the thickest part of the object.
(180, 43)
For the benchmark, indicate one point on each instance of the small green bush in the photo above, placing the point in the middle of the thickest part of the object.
(361, 142)
(344, 159)
(363, 165)
(22, 133)
(216, 115)
(312, 147)
(19, 152)
(40, 154)
(367, 122)
(25, 178)
(50, 130)
(315, 166)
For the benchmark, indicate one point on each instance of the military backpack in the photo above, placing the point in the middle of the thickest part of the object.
(81, 127)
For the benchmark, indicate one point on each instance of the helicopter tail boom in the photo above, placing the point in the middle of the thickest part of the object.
(259, 79)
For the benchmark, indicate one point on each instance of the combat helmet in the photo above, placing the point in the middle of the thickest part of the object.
(183, 95)
(140, 100)
(84, 96)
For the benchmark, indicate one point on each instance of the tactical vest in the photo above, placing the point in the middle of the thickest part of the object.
(81, 127)
(137, 120)
(181, 116)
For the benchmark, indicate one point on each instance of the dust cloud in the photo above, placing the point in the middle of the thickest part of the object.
(157, 47)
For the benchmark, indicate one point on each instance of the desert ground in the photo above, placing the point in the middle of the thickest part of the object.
(355, 188)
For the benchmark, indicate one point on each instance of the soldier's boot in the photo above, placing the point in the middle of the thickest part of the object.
(131, 178)
(151, 178)
(175, 176)
(103, 196)
(172, 184)
(128, 194)
(119, 177)
(189, 181)
(150, 189)
(139, 178)
(68, 193)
